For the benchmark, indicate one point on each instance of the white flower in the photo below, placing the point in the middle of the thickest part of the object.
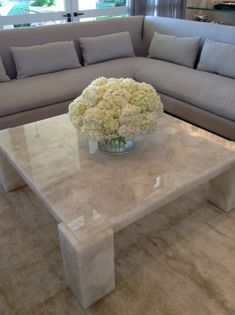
(114, 108)
(99, 82)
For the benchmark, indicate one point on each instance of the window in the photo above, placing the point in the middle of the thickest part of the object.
(16, 13)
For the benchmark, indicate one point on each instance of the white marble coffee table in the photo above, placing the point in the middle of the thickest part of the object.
(93, 195)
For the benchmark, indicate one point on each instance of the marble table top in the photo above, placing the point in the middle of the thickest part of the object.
(85, 188)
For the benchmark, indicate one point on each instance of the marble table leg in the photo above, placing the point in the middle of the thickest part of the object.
(88, 263)
(9, 178)
(221, 190)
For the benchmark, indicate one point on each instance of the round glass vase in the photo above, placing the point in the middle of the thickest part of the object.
(116, 146)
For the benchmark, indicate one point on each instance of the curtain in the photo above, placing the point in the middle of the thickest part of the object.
(171, 8)
(142, 7)
(168, 8)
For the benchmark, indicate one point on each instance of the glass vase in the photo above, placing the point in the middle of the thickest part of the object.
(116, 146)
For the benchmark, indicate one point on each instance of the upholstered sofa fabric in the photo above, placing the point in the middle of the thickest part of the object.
(47, 58)
(43, 90)
(106, 47)
(218, 58)
(198, 116)
(205, 90)
(179, 50)
(3, 76)
(186, 28)
(200, 97)
(64, 32)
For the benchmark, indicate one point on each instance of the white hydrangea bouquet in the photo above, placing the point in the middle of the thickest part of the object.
(116, 112)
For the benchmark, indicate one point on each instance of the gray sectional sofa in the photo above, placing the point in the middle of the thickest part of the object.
(203, 98)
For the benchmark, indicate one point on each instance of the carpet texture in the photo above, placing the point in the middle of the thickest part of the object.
(178, 261)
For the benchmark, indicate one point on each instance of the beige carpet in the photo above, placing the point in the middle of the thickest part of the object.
(178, 261)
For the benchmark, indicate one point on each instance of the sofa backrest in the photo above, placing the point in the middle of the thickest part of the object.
(72, 31)
(186, 28)
(141, 30)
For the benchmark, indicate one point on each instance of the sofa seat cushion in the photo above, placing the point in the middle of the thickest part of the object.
(211, 92)
(25, 94)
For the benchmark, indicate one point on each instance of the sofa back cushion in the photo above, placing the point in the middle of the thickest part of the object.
(3, 76)
(106, 47)
(218, 57)
(47, 58)
(186, 28)
(63, 32)
(179, 50)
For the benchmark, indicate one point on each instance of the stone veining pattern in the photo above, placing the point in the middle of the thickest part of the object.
(92, 195)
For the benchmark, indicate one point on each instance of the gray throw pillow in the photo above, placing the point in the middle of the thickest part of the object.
(218, 58)
(46, 58)
(106, 47)
(179, 50)
(3, 76)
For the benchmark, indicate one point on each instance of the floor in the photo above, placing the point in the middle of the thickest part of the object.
(177, 261)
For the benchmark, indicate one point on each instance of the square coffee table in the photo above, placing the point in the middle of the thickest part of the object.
(92, 195)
